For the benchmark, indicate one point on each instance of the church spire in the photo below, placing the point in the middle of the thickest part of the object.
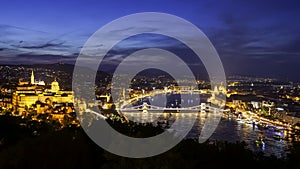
(32, 77)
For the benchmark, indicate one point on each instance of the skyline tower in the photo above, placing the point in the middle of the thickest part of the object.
(32, 78)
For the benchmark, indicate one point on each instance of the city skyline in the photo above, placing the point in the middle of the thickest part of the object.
(149, 84)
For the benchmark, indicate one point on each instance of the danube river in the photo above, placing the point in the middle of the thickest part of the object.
(229, 129)
(232, 130)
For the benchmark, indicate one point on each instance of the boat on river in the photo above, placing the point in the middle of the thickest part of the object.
(277, 136)
(240, 119)
(260, 142)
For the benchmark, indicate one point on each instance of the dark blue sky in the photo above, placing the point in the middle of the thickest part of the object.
(260, 38)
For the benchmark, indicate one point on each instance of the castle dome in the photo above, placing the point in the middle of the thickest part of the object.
(54, 86)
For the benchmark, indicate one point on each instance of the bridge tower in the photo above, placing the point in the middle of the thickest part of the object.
(123, 93)
(145, 107)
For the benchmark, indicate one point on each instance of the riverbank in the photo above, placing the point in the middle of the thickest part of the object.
(291, 132)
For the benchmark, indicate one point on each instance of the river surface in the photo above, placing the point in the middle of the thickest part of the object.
(228, 129)
(232, 130)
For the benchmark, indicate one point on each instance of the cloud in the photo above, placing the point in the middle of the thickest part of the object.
(16, 41)
(30, 58)
(43, 46)
(4, 27)
(256, 47)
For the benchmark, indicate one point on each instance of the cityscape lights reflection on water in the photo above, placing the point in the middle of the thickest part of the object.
(229, 129)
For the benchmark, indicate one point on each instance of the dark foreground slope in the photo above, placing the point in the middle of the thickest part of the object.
(21, 147)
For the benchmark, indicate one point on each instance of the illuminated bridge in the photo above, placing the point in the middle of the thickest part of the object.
(126, 105)
(146, 108)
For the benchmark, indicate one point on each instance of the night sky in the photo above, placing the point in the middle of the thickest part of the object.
(257, 38)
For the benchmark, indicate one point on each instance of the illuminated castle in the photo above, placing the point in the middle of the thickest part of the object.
(36, 96)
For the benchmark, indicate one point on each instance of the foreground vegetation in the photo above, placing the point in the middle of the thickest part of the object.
(44, 146)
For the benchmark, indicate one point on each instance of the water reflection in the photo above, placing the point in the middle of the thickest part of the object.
(229, 129)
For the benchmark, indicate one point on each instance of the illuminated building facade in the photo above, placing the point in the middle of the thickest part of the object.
(39, 98)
